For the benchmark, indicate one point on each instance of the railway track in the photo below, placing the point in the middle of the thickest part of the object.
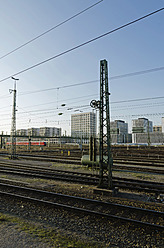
(77, 177)
(125, 165)
(118, 164)
(138, 161)
(116, 212)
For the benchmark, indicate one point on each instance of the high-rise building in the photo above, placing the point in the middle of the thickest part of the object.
(119, 131)
(142, 130)
(83, 125)
(142, 125)
(118, 127)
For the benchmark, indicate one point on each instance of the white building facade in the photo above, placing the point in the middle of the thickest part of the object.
(83, 125)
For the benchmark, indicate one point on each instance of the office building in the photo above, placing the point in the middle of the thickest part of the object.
(142, 125)
(83, 125)
(119, 132)
(142, 129)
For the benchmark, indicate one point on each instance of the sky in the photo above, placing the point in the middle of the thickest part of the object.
(72, 78)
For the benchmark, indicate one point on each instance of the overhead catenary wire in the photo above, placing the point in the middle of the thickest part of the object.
(139, 99)
(49, 30)
(68, 107)
(79, 108)
(66, 100)
(137, 115)
(95, 81)
(40, 114)
(57, 88)
(63, 100)
(131, 74)
(112, 103)
(137, 106)
(83, 44)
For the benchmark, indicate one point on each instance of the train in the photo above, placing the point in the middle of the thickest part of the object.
(27, 143)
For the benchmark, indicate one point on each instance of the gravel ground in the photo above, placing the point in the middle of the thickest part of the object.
(12, 238)
(103, 232)
(100, 230)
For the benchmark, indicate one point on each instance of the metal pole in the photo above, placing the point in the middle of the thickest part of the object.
(105, 156)
(13, 123)
(148, 134)
(106, 161)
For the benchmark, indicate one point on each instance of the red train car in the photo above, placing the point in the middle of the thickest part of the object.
(32, 143)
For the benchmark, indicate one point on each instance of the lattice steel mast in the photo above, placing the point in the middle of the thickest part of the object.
(105, 156)
(13, 123)
(105, 146)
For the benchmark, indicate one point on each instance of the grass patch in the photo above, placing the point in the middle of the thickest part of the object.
(147, 177)
(56, 164)
(52, 236)
(3, 218)
(4, 176)
(135, 175)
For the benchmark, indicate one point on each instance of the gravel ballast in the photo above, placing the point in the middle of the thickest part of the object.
(88, 230)
(11, 237)
(104, 232)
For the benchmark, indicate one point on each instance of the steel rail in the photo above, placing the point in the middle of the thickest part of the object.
(84, 178)
(87, 200)
(138, 162)
(77, 160)
(90, 181)
(137, 169)
(53, 170)
(90, 212)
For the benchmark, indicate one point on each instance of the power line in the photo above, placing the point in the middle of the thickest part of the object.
(136, 115)
(137, 73)
(116, 102)
(93, 81)
(137, 107)
(43, 111)
(49, 30)
(83, 44)
(72, 108)
(60, 87)
(87, 97)
(141, 99)
(64, 100)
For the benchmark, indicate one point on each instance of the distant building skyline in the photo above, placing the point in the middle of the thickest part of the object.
(41, 131)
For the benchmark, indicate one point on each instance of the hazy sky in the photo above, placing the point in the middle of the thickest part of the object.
(138, 47)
